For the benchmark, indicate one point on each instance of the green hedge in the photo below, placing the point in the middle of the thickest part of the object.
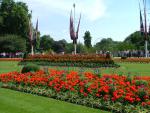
(71, 64)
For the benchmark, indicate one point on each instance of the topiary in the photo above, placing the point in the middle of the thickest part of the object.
(30, 68)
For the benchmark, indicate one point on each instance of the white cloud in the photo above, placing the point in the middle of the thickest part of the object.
(90, 9)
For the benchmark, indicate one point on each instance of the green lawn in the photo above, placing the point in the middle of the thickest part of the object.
(17, 102)
(125, 69)
(8, 66)
(132, 68)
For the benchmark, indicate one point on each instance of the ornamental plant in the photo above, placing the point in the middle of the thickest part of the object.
(112, 92)
(71, 60)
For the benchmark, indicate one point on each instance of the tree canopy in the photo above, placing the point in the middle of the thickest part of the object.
(14, 18)
(12, 43)
(87, 39)
(46, 42)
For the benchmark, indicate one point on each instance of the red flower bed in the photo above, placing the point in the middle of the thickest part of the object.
(69, 57)
(91, 60)
(112, 88)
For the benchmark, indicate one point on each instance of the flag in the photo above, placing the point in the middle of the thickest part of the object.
(141, 24)
(72, 33)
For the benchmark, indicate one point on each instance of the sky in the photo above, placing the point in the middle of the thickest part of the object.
(114, 19)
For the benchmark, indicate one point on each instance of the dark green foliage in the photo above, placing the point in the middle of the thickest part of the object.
(124, 57)
(142, 93)
(72, 64)
(81, 49)
(46, 42)
(87, 39)
(25, 55)
(12, 44)
(14, 18)
(136, 39)
(125, 46)
(141, 83)
(107, 44)
(59, 46)
(30, 68)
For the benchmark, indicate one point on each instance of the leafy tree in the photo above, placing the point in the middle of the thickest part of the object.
(136, 39)
(69, 48)
(59, 46)
(14, 18)
(81, 48)
(87, 39)
(125, 46)
(12, 44)
(106, 44)
(46, 42)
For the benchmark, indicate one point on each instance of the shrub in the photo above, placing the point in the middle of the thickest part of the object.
(124, 57)
(30, 68)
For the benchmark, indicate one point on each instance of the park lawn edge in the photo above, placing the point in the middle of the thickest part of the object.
(17, 94)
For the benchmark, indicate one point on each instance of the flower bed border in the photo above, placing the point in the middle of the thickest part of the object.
(91, 61)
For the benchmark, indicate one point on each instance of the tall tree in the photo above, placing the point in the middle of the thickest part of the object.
(106, 44)
(87, 39)
(14, 18)
(59, 46)
(137, 39)
(46, 42)
(12, 44)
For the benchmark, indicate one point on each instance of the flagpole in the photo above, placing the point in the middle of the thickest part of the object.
(75, 45)
(144, 3)
(31, 36)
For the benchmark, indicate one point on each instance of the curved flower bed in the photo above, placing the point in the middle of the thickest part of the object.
(111, 92)
(71, 60)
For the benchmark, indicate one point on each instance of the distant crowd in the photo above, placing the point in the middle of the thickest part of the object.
(11, 55)
(133, 53)
(127, 53)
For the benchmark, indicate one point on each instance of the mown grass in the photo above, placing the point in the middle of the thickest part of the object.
(9, 66)
(18, 102)
(125, 68)
(133, 69)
